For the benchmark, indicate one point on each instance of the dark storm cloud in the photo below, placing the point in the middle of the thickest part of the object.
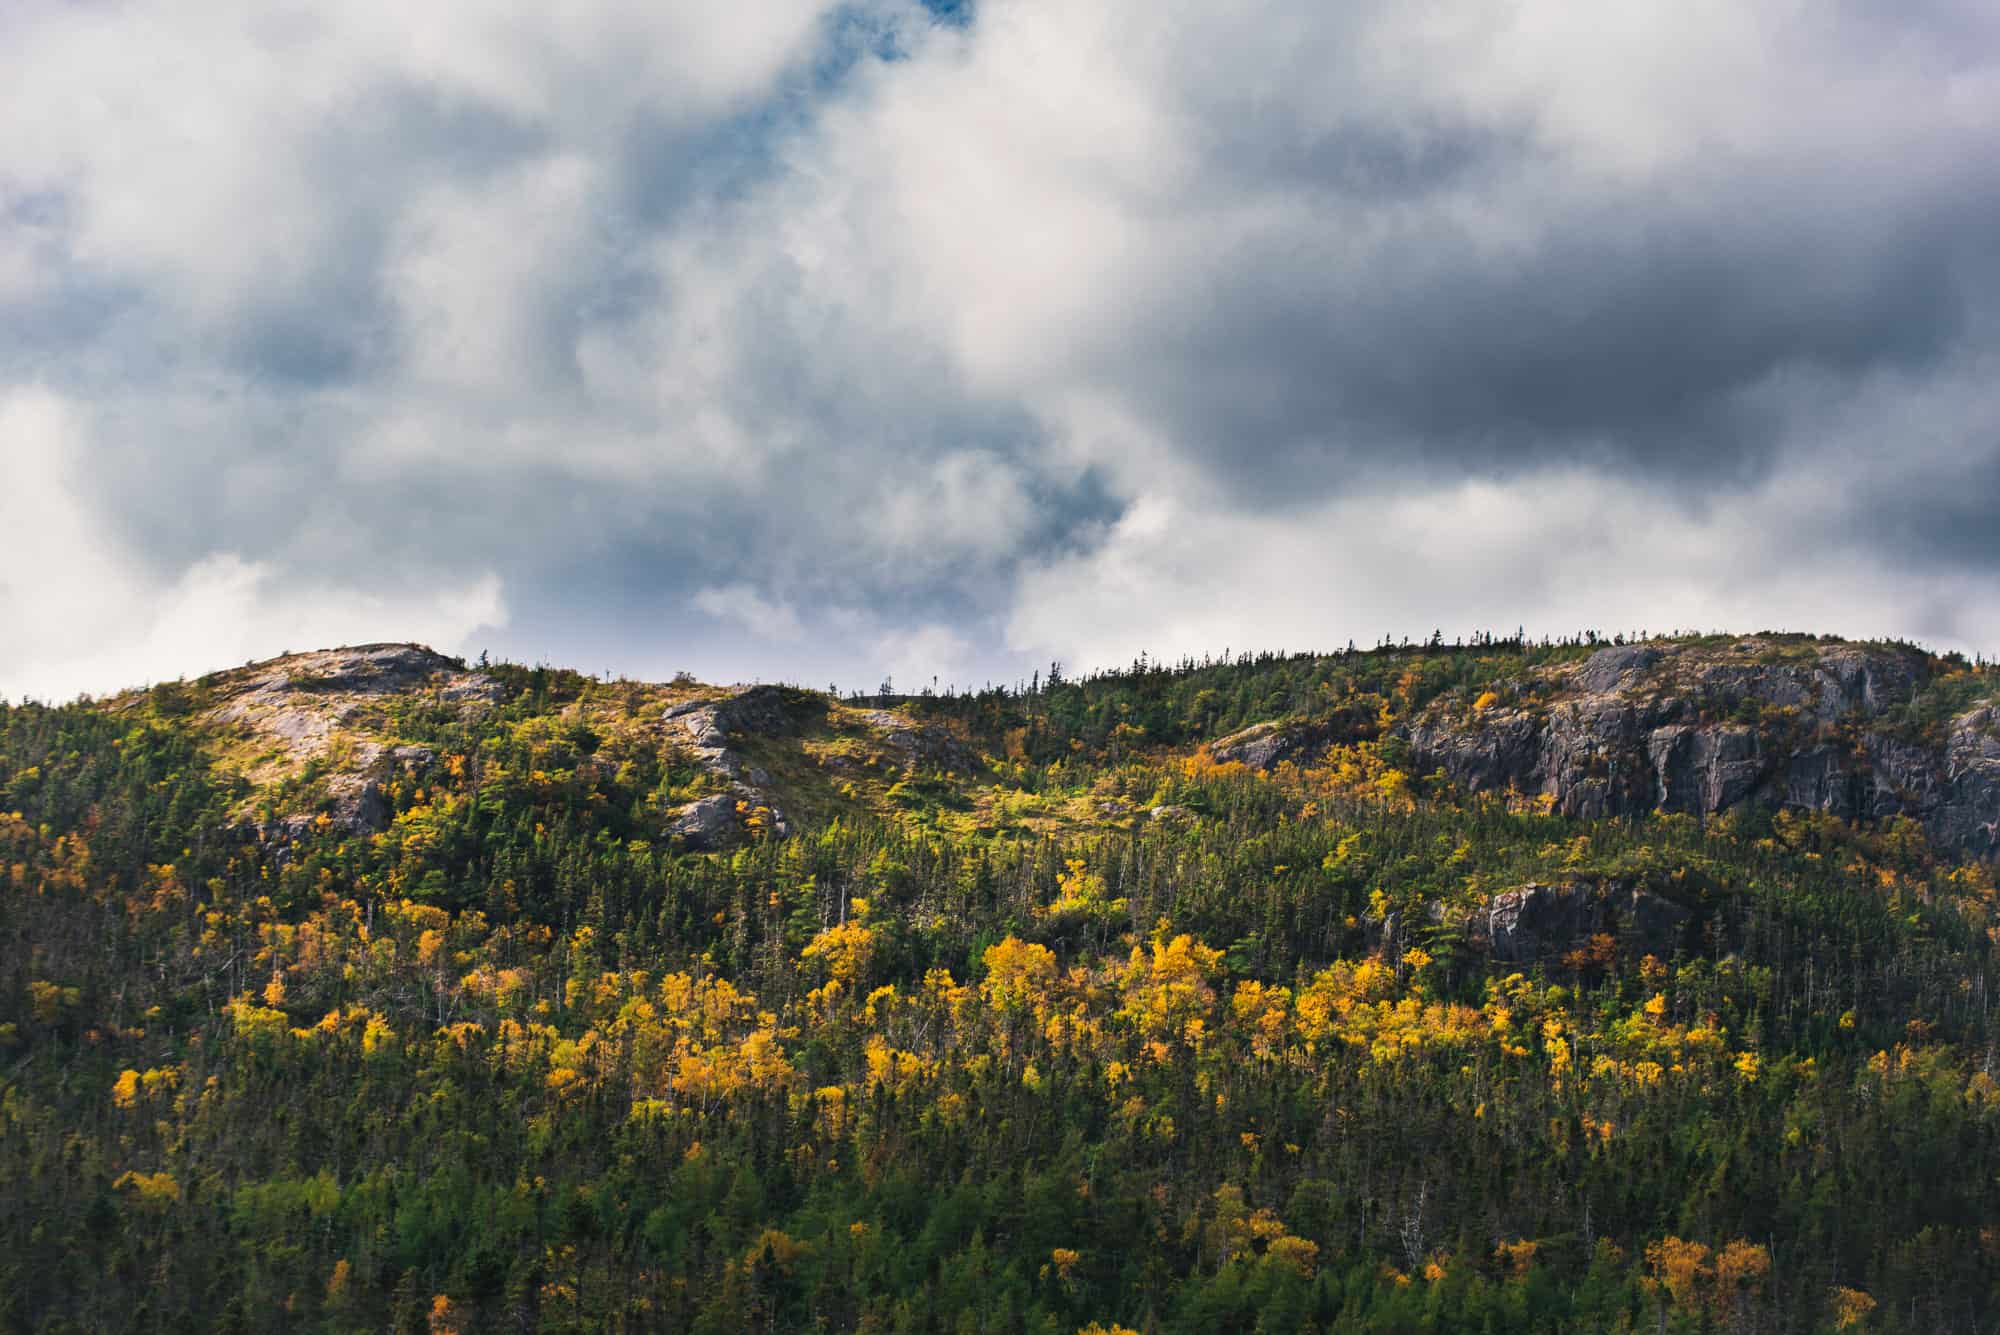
(1632, 328)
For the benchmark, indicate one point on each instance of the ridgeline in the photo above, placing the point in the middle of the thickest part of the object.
(1498, 987)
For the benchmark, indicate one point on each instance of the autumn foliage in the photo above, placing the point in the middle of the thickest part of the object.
(1025, 1057)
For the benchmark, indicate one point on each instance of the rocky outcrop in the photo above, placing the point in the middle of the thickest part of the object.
(1966, 812)
(1542, 922)
(706, 825)
(771, 711)
(711, 824)
(1266, 745)
(713, 727)
(1611, 670)
(322, 707)
(715, 730)
(921, 746)
(412, 759)
(354, 804)
(366, 669)
(302, 700)
(1699, 729)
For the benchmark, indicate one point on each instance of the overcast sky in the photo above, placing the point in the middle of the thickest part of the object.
(789, 339)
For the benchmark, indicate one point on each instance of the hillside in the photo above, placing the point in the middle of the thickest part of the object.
(1502, 987)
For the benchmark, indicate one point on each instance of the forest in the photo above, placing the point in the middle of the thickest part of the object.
(1032, 1013)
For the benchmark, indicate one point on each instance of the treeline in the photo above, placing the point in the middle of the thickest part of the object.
(1354, 693)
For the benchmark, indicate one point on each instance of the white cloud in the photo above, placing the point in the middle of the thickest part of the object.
(222, 152)
(763, 617)
(1554, 553)
(917, 656)
(474, 270)
(86, 614)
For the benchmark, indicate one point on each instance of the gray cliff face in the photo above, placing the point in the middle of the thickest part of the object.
(1968, 814)
(1676, 728)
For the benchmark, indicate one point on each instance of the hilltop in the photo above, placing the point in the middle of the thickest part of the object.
(1864, 732)
(1505, 986)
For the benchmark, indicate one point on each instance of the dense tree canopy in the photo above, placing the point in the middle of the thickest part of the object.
(986, 1054)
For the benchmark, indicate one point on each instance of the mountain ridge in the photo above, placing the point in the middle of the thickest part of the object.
(1678, 725)
(1496, 987)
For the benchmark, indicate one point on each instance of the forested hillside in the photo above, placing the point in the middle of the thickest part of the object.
(1497, 987)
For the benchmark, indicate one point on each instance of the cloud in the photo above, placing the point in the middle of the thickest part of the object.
(751, 610)
(1304, 245)
(93, 617)
(920, 657)
(1478, 556)
(835, 339)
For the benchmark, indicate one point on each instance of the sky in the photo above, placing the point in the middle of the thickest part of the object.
(836, 342)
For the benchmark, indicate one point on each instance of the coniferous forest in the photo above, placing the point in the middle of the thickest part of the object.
(394, 993)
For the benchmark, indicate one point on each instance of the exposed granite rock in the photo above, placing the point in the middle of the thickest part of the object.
(1680, 728)
(316, 706)
(769, 711)
(367, 669)
(301, 700)
(413, 759)
(708, 824)
(714, 728)
(1967, 814)
(1610, 670)
(1266, 745)
(761, 711)
(1703, 768)
(1541, 922)
(354, 803)
(713, 823)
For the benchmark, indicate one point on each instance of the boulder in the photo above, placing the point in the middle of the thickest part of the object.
(708, 824)
(713, 823)
(412, 759)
